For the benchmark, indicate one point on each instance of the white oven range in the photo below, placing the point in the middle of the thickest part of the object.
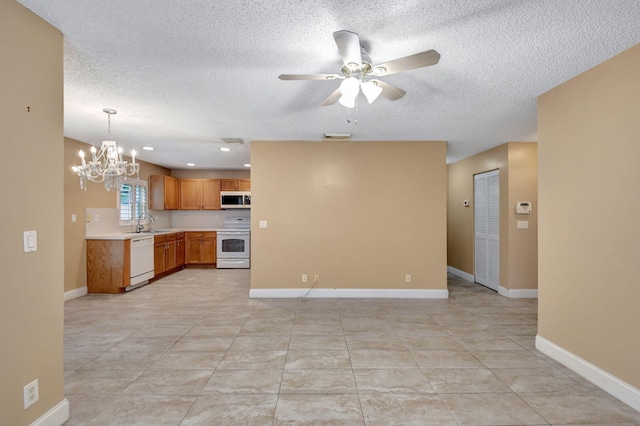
(234, 244)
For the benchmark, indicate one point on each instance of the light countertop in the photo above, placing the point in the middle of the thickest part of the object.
(131, 235)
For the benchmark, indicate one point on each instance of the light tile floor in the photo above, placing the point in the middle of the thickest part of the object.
(193, 349)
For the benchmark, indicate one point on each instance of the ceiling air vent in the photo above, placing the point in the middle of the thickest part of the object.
(337, 137)
(233, 141)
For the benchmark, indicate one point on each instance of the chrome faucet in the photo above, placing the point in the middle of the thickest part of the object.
(140, 226)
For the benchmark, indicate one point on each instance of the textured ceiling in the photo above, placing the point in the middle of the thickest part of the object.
(185, 74)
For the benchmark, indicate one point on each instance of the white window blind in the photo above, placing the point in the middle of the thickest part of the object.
(132, 201)
(126, 202)
(140, 200)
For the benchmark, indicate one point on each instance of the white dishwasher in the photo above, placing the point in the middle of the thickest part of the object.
(141, 261)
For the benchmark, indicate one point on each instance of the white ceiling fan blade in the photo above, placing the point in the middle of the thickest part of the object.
(418, 60)
(389, 91)
(349, 47)
(333, 98)
(310, 76)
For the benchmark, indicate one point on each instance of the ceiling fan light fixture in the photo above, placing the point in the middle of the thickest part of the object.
(371, 91)
(349, 89)
(347, 102)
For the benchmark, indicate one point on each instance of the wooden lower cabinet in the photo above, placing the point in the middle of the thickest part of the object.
(180, 250)
(201, 248)
(108, 266)
(164, 253)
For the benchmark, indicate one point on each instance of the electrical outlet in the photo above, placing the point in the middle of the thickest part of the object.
(31, 394)
(407, 278)
(74, 219)
(96, 218)
(304, 278)
(316, 278)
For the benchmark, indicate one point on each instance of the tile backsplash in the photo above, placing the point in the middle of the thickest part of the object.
(204, 218)
(107, 220)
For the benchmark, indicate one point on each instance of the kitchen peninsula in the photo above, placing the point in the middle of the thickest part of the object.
(113, 258)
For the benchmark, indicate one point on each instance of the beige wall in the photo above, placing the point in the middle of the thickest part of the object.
(517, 162)
(589, 148)
(76, 201)
(360, 215)
(31, 306)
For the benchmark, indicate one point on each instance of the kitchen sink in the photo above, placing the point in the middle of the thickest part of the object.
(149, 231)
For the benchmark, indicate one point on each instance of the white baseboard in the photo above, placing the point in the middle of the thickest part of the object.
(518, 293)
(462, 274)
(611, 384)
(75, 293)
(346, 293)
(54, 417)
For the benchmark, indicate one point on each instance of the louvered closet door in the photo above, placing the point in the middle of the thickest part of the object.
(486, 194)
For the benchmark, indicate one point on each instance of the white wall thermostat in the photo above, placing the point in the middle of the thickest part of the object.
(523, 207)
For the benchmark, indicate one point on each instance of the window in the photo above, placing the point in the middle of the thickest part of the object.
(132, 201)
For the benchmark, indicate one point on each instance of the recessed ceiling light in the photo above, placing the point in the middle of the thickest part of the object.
(147, 148)
(190, 164)
(225, 149)
(247, 165)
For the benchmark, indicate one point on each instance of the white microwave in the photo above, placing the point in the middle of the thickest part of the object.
(235, 200)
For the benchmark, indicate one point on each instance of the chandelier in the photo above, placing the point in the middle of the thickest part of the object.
(107, 164)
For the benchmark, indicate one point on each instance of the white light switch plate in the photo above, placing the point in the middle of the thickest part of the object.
(523, 224)
(263, 224)
(30, 241)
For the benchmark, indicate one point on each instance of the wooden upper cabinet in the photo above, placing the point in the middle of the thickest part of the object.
(190, 198)
(230, 185)
(163, 192)
(199, 194)
(210, 194)
(236, 185)
(244, 184)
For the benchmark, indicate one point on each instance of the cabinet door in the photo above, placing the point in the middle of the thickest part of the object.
(244, 185)
(208, 251)
(210, 194)
(159, 257)
(108, 267)
(171, 191)
(193, 250)
(170, 255)
(180, 250)
(163, 192)
(230, 185)
(190, 194)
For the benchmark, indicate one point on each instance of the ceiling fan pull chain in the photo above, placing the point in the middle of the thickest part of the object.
(356, 121)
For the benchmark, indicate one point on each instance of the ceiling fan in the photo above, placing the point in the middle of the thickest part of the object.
(357, 72)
